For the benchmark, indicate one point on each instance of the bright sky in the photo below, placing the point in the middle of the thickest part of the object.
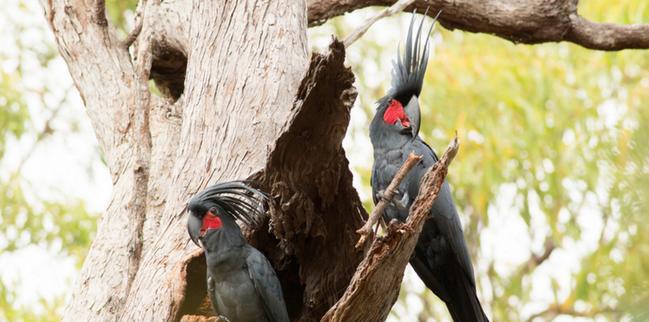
(67, 166)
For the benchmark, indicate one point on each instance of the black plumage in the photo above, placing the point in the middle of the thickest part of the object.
(242, 284)
(441, 258)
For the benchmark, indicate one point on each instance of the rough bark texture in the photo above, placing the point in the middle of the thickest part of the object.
(378, 278)
(316, 210)
(243, 111)
(94, 60)
(521, 21)
(246, 62)
(240, 101)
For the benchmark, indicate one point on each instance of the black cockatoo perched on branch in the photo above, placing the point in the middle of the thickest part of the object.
(440, 258)
(242, 285)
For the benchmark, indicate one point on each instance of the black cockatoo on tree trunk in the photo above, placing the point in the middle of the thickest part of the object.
(440, 258)
(242, 285)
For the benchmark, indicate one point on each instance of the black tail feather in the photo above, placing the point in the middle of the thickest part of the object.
(464, 305)
(453, 287)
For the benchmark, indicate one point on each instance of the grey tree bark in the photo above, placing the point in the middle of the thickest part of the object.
(241, 100)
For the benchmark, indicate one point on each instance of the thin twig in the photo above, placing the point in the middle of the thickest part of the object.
(360, 31)
(377, 212)
(536, 260)
(554, 310)
(130, 38)
(45, 132)
(377, 277)
(138, 22)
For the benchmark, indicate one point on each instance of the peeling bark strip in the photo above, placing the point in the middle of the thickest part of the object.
(378, 278)
(524, 21)
(317, 210)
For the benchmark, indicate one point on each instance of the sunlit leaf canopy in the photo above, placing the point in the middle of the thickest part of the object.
(553, 153)
(31, 110)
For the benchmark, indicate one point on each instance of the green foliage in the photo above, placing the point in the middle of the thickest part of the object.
(555, 120)
(13, 111)
(27, 219)
(561, 127)
(118, 10)
(66, 228)
(49, 308)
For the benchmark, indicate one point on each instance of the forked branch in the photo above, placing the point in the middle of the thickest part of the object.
(377, 279)
(388, 195)
(394, 9)
(522, 21)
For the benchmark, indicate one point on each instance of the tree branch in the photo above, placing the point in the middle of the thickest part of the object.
(536, 260)
(377, 279)
(558, 309)
(137, 22)
(98, 67)
(388, 195)
(525, 21)
(141, 134)
(104, 74)
(395, 8)
(607, 36)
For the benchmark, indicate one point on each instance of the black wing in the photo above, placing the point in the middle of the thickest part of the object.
(267, 285)
(375, 189)
(444, 213)
(211, 291)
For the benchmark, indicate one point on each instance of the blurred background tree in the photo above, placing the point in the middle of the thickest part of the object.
(552, 178)
(50, 169)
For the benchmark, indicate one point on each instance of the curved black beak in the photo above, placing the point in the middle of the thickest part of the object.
(414, 115)
(194, 228)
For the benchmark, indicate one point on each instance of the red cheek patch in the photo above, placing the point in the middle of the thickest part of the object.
(395, 113)
(210, 221)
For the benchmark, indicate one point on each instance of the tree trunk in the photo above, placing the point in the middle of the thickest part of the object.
(241, 101)
(236, 117)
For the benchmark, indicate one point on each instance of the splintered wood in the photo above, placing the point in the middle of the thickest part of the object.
(378, 278)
